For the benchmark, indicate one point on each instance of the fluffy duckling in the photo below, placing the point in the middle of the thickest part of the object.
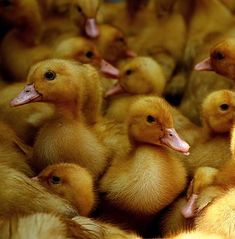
(75, 91)
(15, 186)
(219, 216)
(212, 149)
(104, 230)
(13, 152)
(22, 47)
(25, 120)
(84, 13)
(197, 235)
(45, 225)
(71, 182)
(112, 44)
(138, 76)
(221, 59)
(150, 128)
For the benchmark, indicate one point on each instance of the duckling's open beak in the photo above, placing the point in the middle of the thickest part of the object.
(117, 89)
(27, 95)
(109, 70)
(173, 141)
(189, 210)
(204, 65)
(91, 28)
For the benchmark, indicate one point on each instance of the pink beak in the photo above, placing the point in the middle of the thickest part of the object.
(173, 141)
(91, 28)
(109, 70)
(27, 95)
(35, 179)
(204, 65)
(117, 89)
(130, 53)
(188, 211)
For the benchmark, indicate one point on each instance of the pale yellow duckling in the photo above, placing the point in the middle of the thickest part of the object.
(22, 47)
(17, 189)
(138, 76)
(150, 128)
(71, 182)
(75, 91)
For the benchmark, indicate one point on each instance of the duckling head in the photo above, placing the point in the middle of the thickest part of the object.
(139, 75)
(71, 182)
(218, 111)
(55, 81)
(84, 13)
(113, 44)
(221, 59)
(150, 121)
(85, 51)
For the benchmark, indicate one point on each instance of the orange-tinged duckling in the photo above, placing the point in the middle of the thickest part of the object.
(45, 225)
(75, 91)
(138, 76)
(13, 152)
(221, 59)
(84, 13)
(22, 47)
(71, 182)
(25, 120)
(131, 182)
(16, 187)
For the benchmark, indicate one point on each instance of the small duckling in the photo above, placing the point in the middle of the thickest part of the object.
(149, 127)
(83, 13)
(71, 182)
(45, 225)
(75, 91)
(15, 186)
(221, 59)
(196, 234)
(13, 152)
(138, 76)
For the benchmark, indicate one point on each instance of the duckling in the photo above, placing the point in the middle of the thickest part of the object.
(13, 152)
(71, 182)
(220, 212)
(103, 229)
(83, 13)
(75, 91)
(15, 186)
(112, 44)
(45, 225)
(196, 234)
(22, 46)
(25, 120)
(221, 59)
(138, 76)
(149, 127)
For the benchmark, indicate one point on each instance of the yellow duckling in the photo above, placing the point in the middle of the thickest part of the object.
(149, 127)
(71, 182)
(22, 47)
(75, 91)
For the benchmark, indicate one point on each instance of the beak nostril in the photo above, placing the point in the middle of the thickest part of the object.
(27, 91)
(171, 135)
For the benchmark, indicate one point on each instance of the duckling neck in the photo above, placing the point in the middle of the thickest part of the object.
(68, 111)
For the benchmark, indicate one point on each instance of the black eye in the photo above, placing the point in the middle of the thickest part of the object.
(150, 119)
(121, 39)
(89, 54)
(219, 56)
(50, 75)
(79, 9)
(55, 180)
(128, 72)
(224, 107)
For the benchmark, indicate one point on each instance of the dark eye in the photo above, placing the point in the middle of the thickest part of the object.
(5, 3)
(55, 180)
(150, 119)
(224, 107)
(79, 9)
(50, 75)
(121, 39)
(219, 56)
(89, 54)
(128, 72)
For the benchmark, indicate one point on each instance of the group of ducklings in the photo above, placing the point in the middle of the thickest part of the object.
(89, 148)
